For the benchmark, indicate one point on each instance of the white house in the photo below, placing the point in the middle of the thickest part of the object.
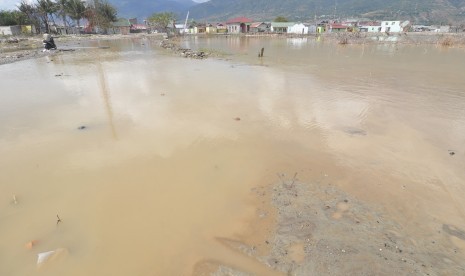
(370, 29)
(393, 26)
(281, 27)
(297, 28)
(10, 30)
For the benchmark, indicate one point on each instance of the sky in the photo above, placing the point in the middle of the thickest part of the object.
(8, 4)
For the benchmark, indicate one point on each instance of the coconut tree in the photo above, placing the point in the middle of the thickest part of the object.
(101, 14)
(76, 11)
(30, 11)
(46, 9)
(107, 14)
(62, 11)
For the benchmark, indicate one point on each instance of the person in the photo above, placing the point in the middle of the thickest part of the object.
(49, 43)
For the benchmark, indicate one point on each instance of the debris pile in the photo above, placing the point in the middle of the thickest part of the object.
(184, 52)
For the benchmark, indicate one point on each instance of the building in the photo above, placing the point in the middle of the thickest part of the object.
(122, 26)
(259, 27)
(338, 28)
(138, 28)
(239, 25)
(221, 28)
(211, 29)
(10, 30)
(394, 26)
(200, 29)
(281, 27)
(298, 28)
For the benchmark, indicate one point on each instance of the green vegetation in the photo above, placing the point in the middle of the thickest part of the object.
(281, 19)
(42, 13)
(419, 11)
(162, 20)
(13, 18)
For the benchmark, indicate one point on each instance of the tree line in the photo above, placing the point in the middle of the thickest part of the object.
(43, 13)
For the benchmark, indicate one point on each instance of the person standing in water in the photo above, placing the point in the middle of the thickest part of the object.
(49, 43)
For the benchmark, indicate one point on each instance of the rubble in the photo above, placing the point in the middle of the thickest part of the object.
(184, 52)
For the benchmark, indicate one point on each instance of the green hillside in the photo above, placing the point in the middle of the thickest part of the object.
(419, 11)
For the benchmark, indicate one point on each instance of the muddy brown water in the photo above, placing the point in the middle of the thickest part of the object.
(164, 167)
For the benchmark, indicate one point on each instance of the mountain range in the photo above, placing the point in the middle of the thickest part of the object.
(419, 11)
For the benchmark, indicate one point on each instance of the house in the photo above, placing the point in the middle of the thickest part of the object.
(297, 28)
(138, 28)
(122, 26)
(181, 29)
(200, 29)
(259, 27)
(239, 25)
(394, 26)
(321, 27)
(10, 30)
(211, 29)
(311, 28)
(369, 26)
(281, 27)
(221, 28)
(338, 28)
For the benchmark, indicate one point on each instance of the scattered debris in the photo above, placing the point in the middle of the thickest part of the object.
(451, 152)
(12, 40)
(58, 219)
(237, 119)
(81, 127)
(30, 244)
(44, 258)
(184, 52)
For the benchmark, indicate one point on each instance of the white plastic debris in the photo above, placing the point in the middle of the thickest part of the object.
(49, 256)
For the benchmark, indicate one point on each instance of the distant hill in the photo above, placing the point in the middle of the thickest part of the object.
(419, 11)
(144, 8)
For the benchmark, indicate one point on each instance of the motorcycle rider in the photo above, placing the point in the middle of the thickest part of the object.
(49, 43)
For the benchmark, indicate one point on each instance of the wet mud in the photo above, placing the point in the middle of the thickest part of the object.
(321, 230)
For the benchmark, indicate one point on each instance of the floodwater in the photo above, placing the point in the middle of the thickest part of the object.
(148, 158)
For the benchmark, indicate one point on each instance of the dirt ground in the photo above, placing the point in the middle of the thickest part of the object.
(316, 229)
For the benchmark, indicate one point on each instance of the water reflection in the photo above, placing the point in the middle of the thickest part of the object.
(106, 98)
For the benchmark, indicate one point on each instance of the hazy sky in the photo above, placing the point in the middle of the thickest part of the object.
(8, 4)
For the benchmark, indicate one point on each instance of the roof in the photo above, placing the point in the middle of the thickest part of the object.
(239, 20)
(138, 27)
(256, 24)
(369, 23)
(122, 22)
(282, 24)
(339, 26)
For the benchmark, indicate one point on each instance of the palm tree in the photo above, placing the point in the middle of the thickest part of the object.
(62, 11)
(107, 14)
(30, 11)
(76, 11)
(46, 9)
